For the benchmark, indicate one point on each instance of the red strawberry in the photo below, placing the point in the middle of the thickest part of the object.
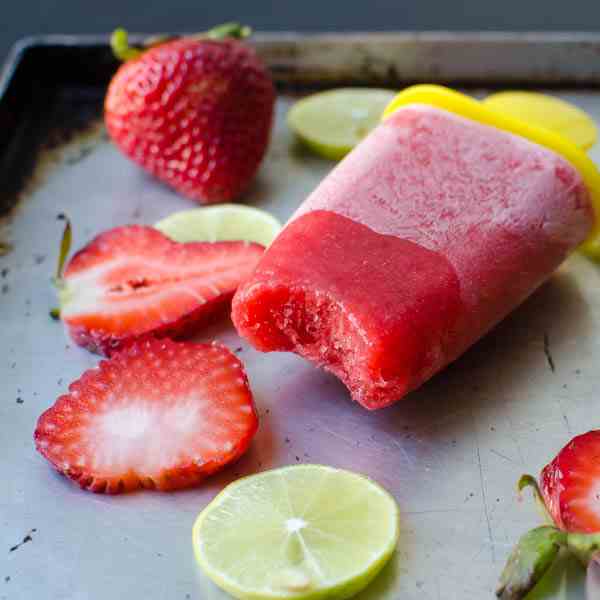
(195, 112)
(159, 414)
(571, 485)
(132, 281)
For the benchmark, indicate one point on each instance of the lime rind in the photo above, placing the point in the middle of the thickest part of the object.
(332, 123)
(222, 222)
(306, 560)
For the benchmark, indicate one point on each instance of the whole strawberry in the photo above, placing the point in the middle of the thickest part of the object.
(196, 112)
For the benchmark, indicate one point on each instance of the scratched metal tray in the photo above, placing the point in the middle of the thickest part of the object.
(450, 453)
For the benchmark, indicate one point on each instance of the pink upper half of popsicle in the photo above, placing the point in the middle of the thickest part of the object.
(423, 238)
(502, 210)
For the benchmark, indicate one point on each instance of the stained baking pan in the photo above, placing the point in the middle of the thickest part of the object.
(450, 453)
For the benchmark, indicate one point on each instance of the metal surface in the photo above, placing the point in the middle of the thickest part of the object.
(474, 58)
(488, 58)
(450, 453)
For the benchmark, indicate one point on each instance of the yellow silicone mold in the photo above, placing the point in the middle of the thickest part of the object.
(460, 104)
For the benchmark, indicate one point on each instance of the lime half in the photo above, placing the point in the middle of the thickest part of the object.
(222, 222)
(302, 532)
(549, 112)
(331, 123)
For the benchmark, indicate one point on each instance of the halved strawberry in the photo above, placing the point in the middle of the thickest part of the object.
(159, 414)
(132, 281)
(570, 485)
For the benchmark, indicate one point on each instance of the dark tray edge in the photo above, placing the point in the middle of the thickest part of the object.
(471, 58)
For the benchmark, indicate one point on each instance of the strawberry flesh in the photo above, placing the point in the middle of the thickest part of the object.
(133, 281)
(160, 414)
(570, 485)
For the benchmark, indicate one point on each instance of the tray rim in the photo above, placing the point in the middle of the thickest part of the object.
(581, 39)
(102, 39)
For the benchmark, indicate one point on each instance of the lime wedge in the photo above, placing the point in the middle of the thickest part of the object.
(332, 123)
(302, 532)
(221, 222)
(549, 112)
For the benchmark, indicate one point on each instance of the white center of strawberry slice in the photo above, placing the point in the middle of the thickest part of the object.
(126, 434)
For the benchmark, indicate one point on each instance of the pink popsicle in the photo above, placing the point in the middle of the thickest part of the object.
(421, 240)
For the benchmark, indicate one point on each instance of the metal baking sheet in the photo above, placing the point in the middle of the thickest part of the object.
(450, 453)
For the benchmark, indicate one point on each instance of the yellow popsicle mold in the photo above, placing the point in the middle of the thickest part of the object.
(460, 104)
(548, 112)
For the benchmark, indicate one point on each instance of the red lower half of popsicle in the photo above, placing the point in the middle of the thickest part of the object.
(378, 313)
(428, 234)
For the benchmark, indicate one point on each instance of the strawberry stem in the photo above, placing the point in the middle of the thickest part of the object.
(530, 481)
(119, 42)
(228, 30)
(65, 247)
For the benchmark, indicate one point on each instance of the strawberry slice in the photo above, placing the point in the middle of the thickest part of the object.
(132, 281)
(159, 414)
(570, 485)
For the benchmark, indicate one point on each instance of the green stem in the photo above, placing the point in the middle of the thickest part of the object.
(228, 30)
(530, 481)
(221, 32)
(65, 247)
(119, 42)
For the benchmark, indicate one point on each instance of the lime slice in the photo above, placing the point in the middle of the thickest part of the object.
(332, 123)
(221, 222)
(302, 532)
(549, 112)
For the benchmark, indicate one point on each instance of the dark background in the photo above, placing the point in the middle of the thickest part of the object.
(29, 17)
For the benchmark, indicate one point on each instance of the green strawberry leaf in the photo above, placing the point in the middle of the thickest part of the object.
(529, 561)
(564, 580)
(584, 546)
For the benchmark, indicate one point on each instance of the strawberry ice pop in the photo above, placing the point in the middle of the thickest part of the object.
(427, 235)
